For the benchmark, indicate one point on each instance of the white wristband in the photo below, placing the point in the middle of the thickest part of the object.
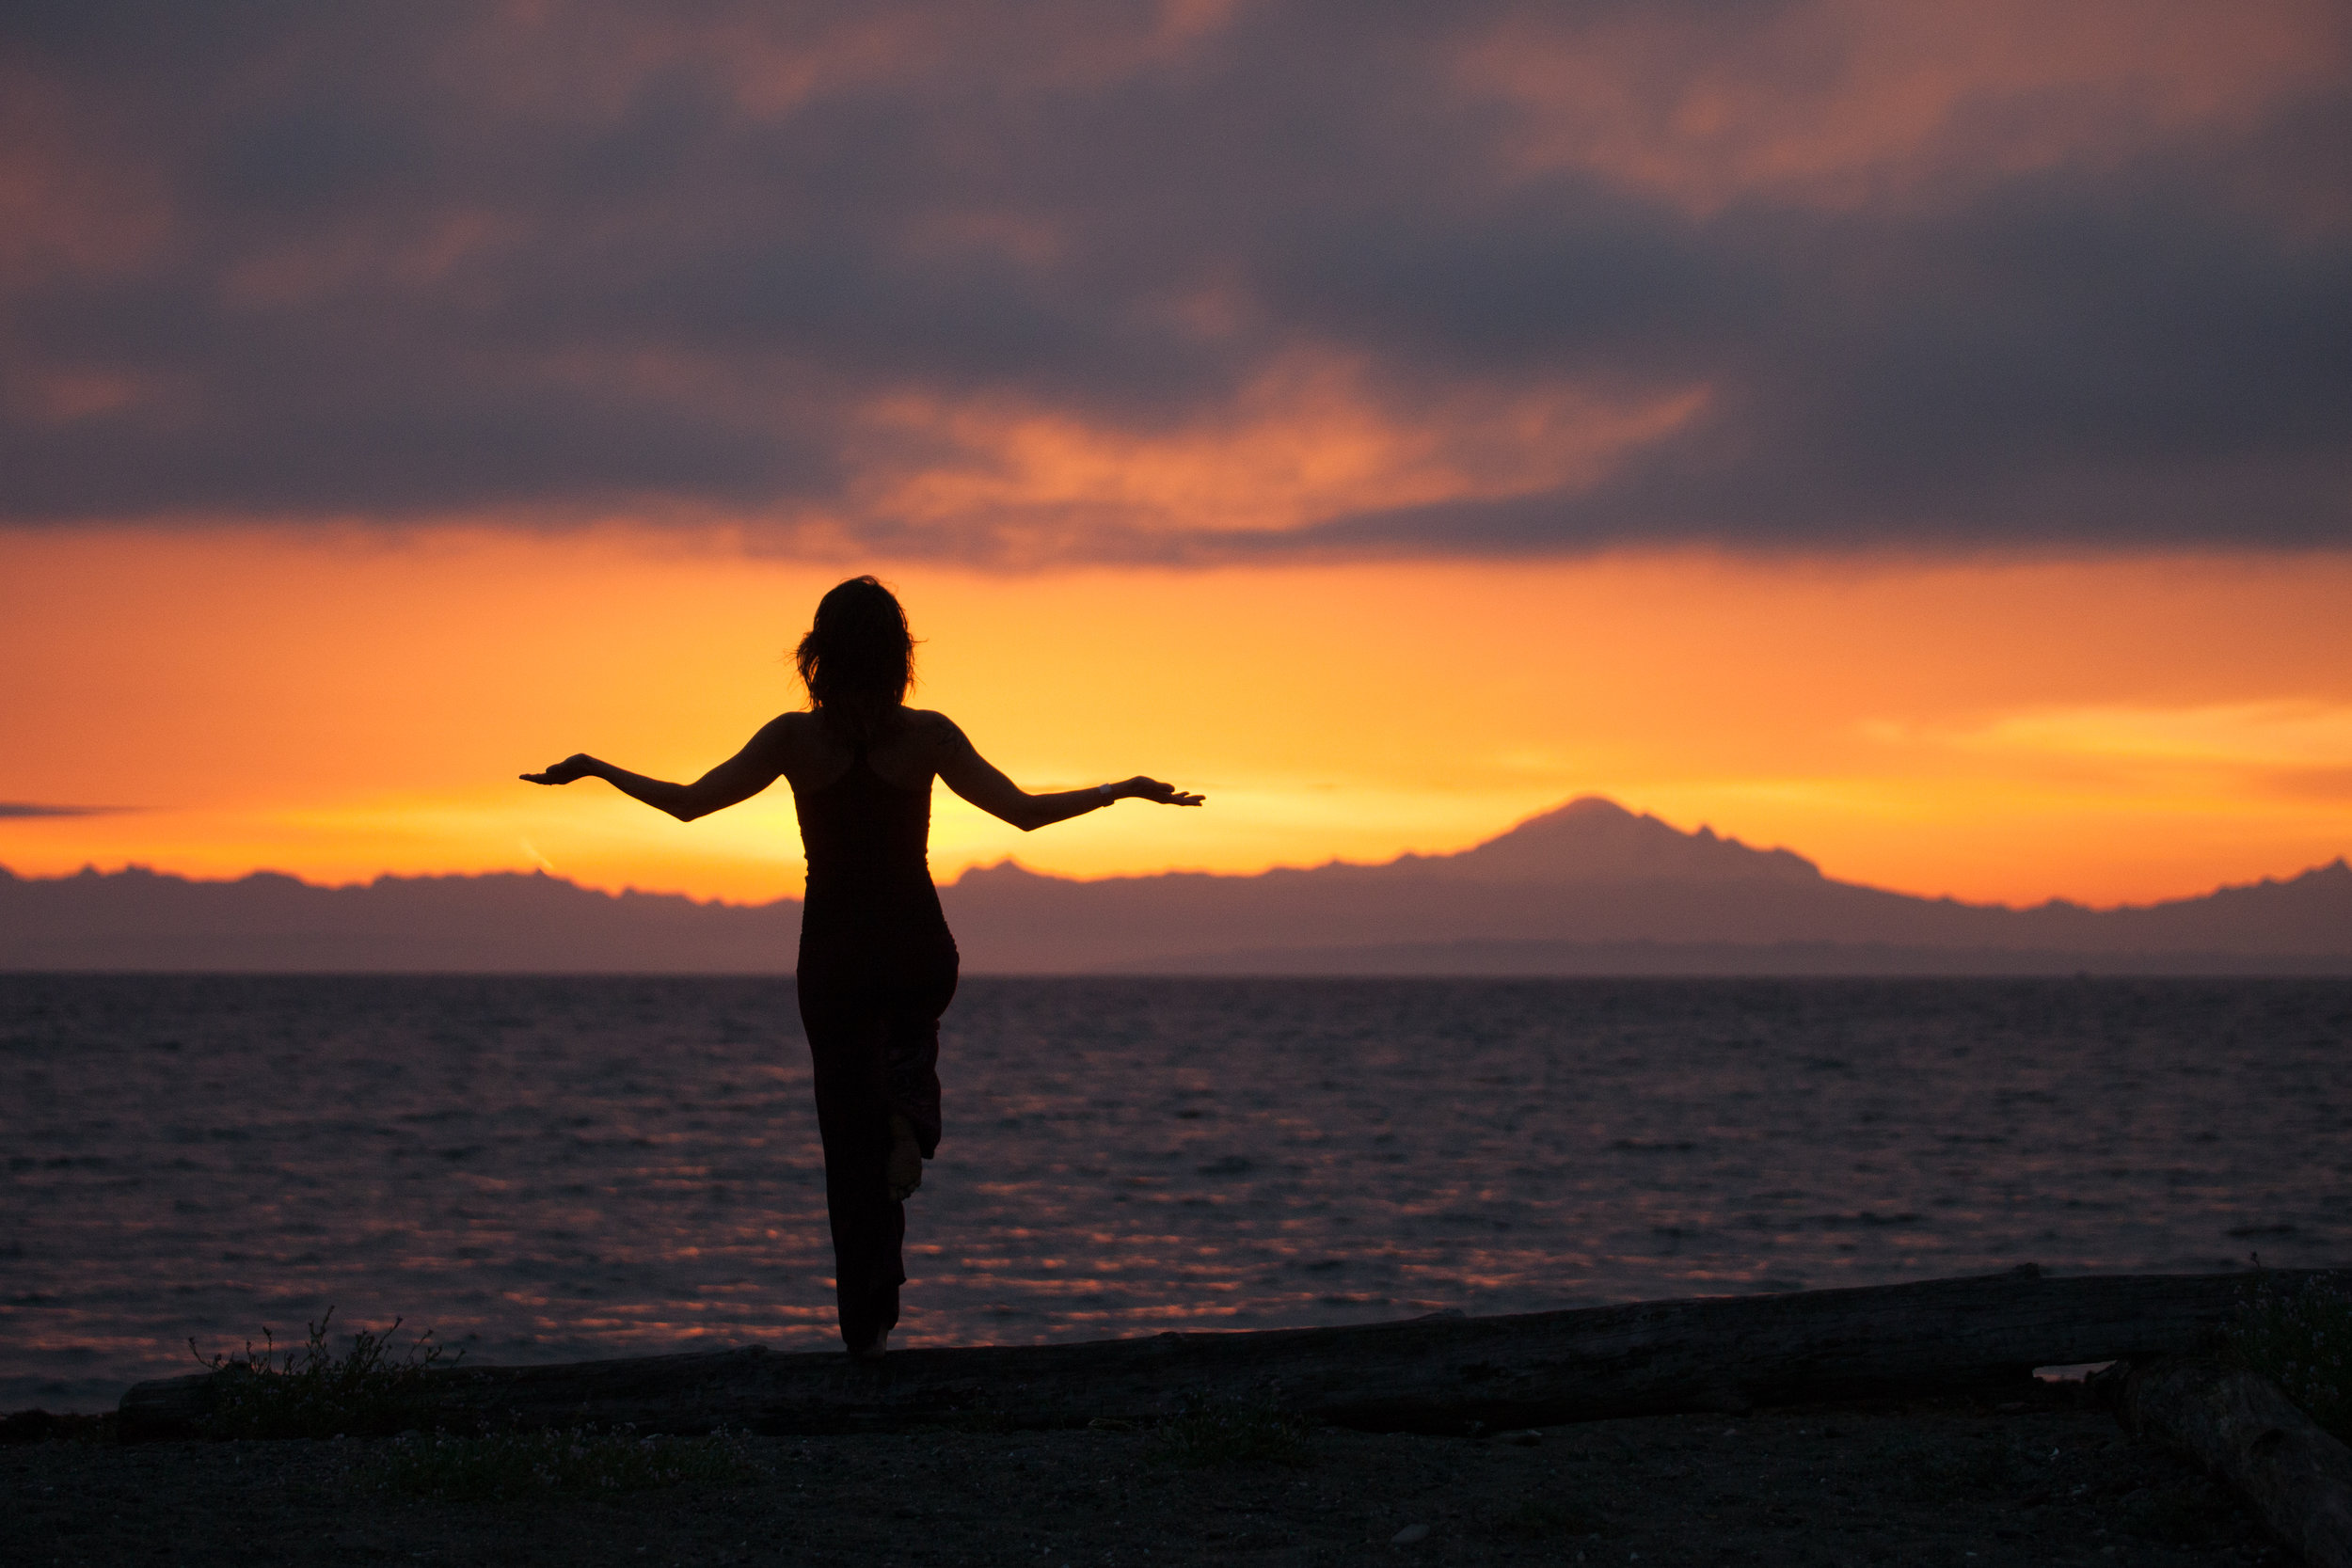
(1104, 790)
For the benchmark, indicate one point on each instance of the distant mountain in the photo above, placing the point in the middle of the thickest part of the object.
(503, 922)
(1587, 888)
(1582, 888)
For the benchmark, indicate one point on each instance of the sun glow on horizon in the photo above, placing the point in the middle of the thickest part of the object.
(2111, 731)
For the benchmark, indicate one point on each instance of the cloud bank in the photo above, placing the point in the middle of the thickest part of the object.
(1187, 282)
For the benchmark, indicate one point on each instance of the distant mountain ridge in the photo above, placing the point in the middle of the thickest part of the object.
(1588, 887)
(1593, 838)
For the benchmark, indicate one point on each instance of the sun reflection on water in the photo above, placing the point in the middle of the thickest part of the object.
(551, 1169)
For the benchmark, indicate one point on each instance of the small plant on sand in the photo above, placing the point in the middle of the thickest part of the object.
(2301, 1337)
(1554, 1517)
(1232, 1432)
(312, 1392)
(575, 1460)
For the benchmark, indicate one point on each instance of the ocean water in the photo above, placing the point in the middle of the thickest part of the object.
(547, 1169)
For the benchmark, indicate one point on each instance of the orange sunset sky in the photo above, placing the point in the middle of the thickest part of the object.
(1918, 435)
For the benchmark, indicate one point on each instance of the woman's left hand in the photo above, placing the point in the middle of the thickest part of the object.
(1141, 788)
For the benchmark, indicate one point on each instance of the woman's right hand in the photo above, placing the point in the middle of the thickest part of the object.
(577, 766)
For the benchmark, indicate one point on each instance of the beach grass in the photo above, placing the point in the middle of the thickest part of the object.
(310, 1391)
(2300, 1336)
(1208, 1431)
(583, 1460)
(1556, 1516)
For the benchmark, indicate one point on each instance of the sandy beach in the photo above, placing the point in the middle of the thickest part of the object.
(1974, 1483)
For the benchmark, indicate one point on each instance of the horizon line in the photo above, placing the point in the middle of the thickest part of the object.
(92, 870)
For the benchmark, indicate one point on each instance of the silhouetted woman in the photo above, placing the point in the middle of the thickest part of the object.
(876, 964)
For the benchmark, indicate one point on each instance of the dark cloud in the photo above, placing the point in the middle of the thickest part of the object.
(26, 808)
(407, 261)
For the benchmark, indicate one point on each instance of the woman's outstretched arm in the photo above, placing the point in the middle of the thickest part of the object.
(740, 777)
(974, 777)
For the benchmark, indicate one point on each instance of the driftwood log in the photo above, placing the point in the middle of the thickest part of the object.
(1438, 1375)
(2297, 1477)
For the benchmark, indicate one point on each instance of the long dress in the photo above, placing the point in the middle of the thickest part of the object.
(877, 968)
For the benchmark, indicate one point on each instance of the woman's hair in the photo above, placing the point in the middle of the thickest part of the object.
(858, 659)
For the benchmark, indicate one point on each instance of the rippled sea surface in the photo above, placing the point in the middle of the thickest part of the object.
(548, 1169)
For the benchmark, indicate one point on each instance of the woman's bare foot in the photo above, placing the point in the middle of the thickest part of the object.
(874, 1348)
(903, 1169)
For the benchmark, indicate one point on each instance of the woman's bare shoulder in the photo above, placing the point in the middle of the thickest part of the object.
(933, 730)
(787, 735)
